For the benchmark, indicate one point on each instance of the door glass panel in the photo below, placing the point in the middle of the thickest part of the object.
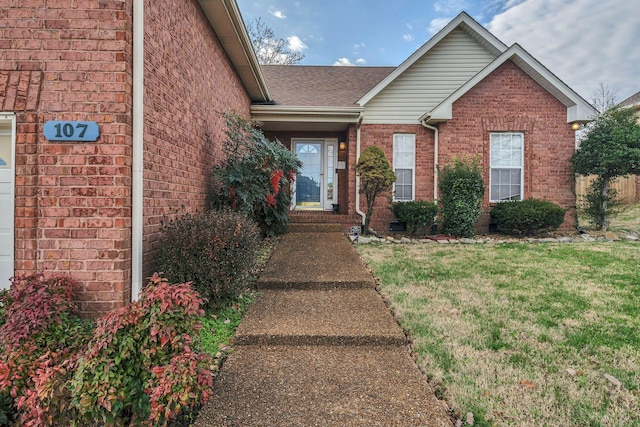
(308, 181)
(330, 171)
(5, 146)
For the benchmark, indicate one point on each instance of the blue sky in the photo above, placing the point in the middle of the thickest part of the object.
(584, 42)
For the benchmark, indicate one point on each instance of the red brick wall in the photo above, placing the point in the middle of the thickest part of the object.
(382, 136)
(70, 60)
(509, 100)
(188, 81)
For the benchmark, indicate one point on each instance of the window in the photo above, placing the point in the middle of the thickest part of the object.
(507, 158)
(404, 159)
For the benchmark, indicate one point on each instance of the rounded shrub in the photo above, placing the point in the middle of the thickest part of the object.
(214, 250)
(527, 217)
(416, 214)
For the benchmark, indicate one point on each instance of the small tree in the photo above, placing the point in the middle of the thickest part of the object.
(268, 48)
(610, 149)
(376, 177)
(461, 192)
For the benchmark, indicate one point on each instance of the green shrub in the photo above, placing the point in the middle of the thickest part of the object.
(256, 176)
(527, 217)
(416, 214)
(40, 337)
(461, 193)
(214, 250)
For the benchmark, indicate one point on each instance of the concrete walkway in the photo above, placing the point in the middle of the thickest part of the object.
(320, 348)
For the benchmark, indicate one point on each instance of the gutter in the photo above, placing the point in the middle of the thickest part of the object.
(358, 211)
(435, 157)
(137, 201)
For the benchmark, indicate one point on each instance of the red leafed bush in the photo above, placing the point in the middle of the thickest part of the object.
(141, 366)
(40, 334)
(138, 367)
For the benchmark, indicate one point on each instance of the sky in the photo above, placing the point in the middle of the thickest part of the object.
(586, 43)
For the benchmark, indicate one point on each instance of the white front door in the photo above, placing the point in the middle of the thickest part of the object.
(316, 185)
(7, 192)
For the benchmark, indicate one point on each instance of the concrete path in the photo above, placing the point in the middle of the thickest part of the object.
(320, 348)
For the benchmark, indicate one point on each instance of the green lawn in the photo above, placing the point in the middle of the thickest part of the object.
(522, 334)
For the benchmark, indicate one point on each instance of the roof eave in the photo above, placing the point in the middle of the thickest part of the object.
(226, 20)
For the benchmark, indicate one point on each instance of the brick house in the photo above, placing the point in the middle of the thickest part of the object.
(462, 93)
(152, 77)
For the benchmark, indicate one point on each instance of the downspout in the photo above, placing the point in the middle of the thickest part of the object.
(435, 157)
(137, 202)
(358, 211)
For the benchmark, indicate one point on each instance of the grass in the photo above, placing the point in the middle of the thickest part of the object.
(625, 218)
(522, 334)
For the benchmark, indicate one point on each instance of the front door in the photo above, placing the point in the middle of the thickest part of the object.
(316, 185)
(7, 174)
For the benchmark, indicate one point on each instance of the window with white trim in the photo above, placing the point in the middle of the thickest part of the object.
(404, 165)
(506, 155)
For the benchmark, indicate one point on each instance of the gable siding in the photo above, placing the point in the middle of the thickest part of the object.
(442, 70)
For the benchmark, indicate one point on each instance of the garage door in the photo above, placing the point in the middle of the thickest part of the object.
(7, 191)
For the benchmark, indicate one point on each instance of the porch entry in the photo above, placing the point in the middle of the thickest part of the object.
(7, 192)
(316, 186)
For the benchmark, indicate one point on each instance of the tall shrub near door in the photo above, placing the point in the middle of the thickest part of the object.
(461, 193)
(376, 177)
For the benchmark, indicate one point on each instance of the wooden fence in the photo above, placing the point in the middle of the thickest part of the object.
(625, 186)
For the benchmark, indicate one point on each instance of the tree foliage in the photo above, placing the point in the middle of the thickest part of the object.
(256, 176)
(376, 177)
(610, 148)
(270, 49)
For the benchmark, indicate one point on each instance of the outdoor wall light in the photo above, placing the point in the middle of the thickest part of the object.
(342, 145)
(575, 125)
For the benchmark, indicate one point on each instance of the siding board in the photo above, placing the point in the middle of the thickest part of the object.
(442, 70)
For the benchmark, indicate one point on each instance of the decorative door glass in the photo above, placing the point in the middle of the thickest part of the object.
(308, 181)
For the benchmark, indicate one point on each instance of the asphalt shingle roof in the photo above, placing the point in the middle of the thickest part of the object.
(321, 86)
(632, 100)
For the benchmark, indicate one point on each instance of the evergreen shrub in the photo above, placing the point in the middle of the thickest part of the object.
(527, 217)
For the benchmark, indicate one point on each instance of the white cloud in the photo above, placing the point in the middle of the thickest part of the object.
(295, 44)
(438, 24)
(359, 45)
(407, 37)
(344, 62)
(583, 42)
(410, 27)
(449, 7)
(361, 61)
(277, 13)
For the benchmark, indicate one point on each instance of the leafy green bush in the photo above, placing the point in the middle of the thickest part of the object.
(416, 214)
(141, 367)
(256, 176)
(527, 217)
(214, 250)
(40, 337)
(461, 193)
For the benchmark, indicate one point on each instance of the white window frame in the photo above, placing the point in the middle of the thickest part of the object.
(492, 199)
(397, 138)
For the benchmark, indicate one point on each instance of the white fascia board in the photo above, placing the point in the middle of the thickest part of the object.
(577, 108)
(314, 114)
(226, 20)
(462, 20)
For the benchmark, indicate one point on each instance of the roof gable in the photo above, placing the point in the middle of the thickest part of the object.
(578, 110)
(463, 21)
